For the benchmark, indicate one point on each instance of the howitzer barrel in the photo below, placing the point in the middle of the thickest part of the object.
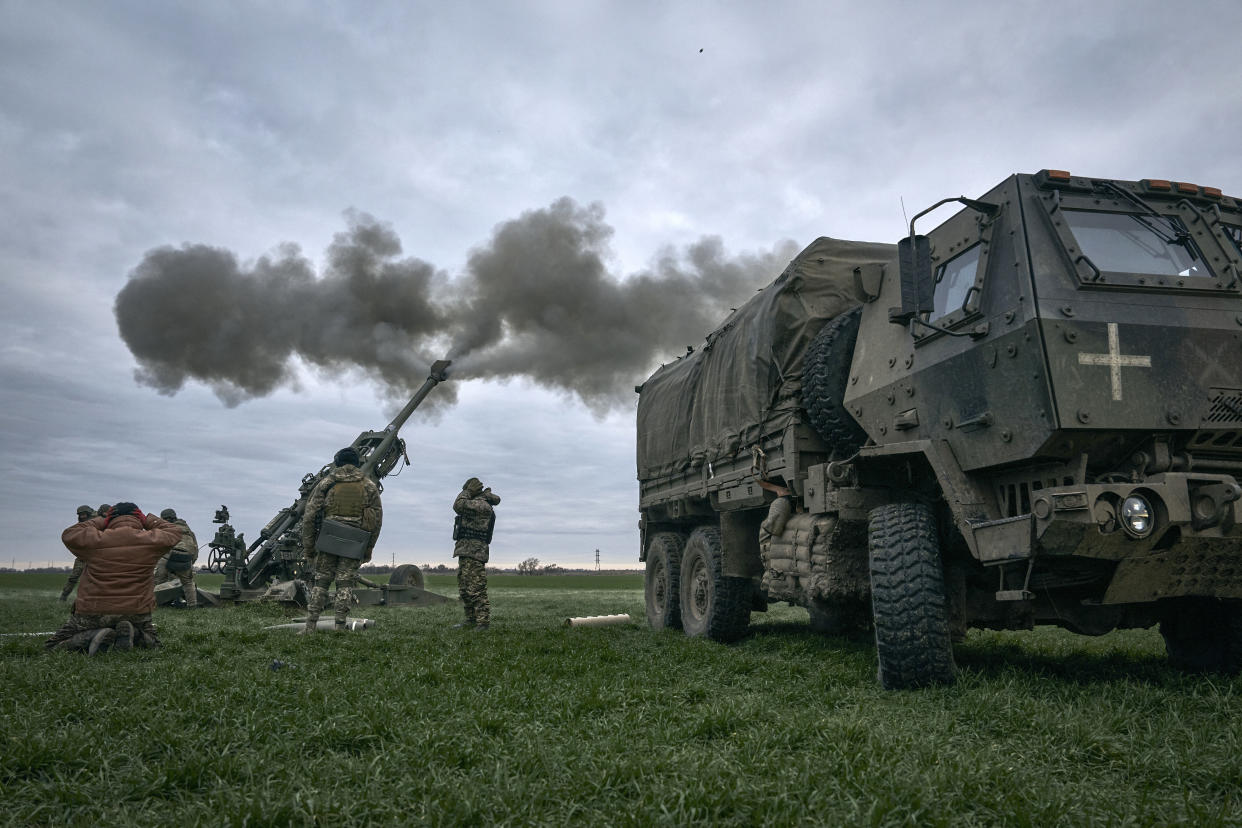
(438, 373)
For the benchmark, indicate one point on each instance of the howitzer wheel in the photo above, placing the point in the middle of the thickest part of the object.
(826, 371)
(912, 636)
(407, 574)
(713, 604)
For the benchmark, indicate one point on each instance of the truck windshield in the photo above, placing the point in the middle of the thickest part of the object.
(1130, 243)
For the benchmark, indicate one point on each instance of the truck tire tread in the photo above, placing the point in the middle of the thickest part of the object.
(661, 590)
(727, 614)
(826, 371)
(913, 638)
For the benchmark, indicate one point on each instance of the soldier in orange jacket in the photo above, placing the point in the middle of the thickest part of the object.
(117, 590)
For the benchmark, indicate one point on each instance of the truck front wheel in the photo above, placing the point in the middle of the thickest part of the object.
(1203, 635)
(661, 582)
(712, 604)
(908, 604)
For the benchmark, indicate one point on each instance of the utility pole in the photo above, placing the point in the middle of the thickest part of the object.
(597, 560)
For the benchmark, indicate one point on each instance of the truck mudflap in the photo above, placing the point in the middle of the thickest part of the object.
(1172, 535)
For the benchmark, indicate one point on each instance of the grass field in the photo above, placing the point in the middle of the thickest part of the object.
(534, 723)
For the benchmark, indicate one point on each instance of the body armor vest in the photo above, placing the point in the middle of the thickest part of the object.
(345, 501)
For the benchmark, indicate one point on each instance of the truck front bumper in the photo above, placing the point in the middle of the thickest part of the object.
(1190, 542)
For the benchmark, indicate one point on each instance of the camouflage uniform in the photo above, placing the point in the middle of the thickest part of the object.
(78, 631)
(84, 513)
(473, 532)
(183, 557)
(356, 504)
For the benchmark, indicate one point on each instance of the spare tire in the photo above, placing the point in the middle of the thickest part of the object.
(825, 374)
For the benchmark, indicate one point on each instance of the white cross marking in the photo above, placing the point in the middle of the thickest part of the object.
(1115, 360)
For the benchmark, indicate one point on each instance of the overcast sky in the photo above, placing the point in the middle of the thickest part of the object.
(655, 131)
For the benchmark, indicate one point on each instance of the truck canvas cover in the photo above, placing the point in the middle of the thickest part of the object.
(745, 380)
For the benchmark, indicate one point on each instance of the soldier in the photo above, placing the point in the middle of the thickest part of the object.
(85, 513)
(116, 595)
(472, 529)
(179, 562)
(339, 529)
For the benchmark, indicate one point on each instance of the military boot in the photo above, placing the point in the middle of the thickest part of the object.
(77, 641)
(102, 642)
(341, 625)
(124, 636)
(311, 624)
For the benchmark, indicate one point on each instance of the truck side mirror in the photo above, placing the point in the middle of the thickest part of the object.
(914, 256)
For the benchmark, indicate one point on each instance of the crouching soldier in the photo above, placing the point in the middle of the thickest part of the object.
(117, 590)
(339, 529)
(179, 562)
(472, 530)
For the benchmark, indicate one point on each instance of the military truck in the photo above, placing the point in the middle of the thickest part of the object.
(1030, 415)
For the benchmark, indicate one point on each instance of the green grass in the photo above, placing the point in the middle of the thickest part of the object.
(535, 723)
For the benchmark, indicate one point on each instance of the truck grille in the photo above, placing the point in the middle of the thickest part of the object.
(1013, 492)
(1215, 441)
(1226, 409)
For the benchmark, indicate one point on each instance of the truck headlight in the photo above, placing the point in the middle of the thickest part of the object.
(1136, 517)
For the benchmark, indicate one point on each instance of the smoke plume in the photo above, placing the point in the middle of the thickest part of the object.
(536, 301)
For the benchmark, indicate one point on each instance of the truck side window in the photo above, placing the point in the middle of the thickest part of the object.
(954, 280)
(1235, 235)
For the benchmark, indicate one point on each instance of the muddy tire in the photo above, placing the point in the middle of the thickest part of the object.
(826, 372)
(912, 637)
(662, 579)
(1203, 635)
(713, 604)
(407, 574)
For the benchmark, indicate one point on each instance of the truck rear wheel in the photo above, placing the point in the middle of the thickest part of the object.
(712, 604)
(1203, 635)
(662, 579)
(912, 637)
(826, 371)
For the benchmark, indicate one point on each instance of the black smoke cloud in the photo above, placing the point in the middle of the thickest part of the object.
(537, 301)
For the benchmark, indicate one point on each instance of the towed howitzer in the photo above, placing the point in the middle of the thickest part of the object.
(276, 555)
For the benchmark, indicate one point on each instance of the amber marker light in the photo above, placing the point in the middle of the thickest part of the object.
(1213, 192)
(1188, 189)
(1058, 175)
(1157, 184)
